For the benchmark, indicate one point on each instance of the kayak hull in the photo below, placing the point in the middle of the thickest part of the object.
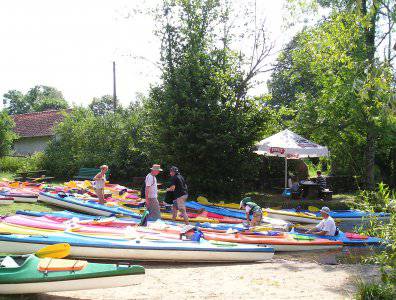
(97, 248)
(71, 285)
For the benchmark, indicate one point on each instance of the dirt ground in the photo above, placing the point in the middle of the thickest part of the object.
(280, 278)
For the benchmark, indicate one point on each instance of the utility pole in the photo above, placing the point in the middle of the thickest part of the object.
(114, 88)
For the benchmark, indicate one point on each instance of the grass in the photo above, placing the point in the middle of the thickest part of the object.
(12, 208)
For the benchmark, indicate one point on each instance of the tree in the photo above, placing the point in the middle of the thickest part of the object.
(38, 98)
(372, 86)
(352, 98)
(103, 105)
(16, 102)
(7, 136)
(86, 140)
(199, 117)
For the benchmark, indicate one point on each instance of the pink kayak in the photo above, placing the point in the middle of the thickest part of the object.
(48, 224)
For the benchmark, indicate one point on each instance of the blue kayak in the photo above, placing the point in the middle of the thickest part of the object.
(354, 240)
(349, 214)
(58, 214)
(90, 207)
(217, 210)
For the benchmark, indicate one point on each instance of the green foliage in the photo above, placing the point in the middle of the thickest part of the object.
(198, 118)
(21, 164)
(375, 291)
(7, 136)
(11, 164)
(102, 105)
(86, 140)
(38, 98)
(382, 199)
(343, 101)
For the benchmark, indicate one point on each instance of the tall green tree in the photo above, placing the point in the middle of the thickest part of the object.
(38, 98)
(7, 136)
(102, 105)
(199, 117)
(372, 81)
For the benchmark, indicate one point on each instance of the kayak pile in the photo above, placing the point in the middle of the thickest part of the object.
(113, 231)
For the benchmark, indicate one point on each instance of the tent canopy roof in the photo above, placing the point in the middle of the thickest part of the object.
(290, 145)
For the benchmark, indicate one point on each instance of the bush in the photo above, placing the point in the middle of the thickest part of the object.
(383, 199)
(375, 291)
(86, 140)
(11, 164)
(21, 164)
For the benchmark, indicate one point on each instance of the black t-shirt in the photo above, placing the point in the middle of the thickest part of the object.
(180, 186)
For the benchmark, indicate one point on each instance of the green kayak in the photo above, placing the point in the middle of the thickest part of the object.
(30, 274)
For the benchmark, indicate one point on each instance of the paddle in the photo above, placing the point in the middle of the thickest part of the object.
(54, 251)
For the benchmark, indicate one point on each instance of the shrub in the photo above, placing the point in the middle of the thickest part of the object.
(375, 291)
(11, 164)
(382, 199)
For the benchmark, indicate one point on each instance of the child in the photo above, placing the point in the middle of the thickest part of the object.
(252, 208)
(99, 183)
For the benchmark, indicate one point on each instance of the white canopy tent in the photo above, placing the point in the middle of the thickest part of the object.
(290, 145)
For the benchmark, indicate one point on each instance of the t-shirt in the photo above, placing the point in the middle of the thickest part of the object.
(151, 182)
(327, 225)
(321, 181)
(180, 186)
(252, 207)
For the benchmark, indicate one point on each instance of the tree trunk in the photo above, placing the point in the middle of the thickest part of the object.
(370, 158)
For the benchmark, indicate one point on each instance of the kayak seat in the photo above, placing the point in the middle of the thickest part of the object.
(57, 265)
(355, 236)
(8, 262)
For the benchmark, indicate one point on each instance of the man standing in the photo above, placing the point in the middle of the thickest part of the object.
(179, 188)
(326, 226)
(151, 193)
(321, 181)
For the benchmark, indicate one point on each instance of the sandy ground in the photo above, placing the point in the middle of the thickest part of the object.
(280, 278)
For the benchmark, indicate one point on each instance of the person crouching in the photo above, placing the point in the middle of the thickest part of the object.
(251, 209)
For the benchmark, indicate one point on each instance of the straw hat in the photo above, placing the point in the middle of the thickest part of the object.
(156, 167)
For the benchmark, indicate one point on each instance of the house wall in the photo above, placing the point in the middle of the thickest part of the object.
(27, 146)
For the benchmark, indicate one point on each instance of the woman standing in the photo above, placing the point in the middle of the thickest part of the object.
(99, 183)
(179, 188)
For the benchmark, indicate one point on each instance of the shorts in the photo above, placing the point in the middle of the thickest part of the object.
(180, 203)
(152, 206)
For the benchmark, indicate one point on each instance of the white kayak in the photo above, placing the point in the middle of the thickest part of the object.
(105, 248)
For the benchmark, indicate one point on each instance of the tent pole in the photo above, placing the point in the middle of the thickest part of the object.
(285, 172)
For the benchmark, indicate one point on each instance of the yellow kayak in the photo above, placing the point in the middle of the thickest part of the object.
(204, 201)
(295, 217)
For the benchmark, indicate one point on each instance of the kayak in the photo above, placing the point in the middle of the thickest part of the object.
(30, 274)
(279, 241)
(347, 238)
(349, 214)
(105, 248)
(6, 200)
(290, 216)
(239, 214)
(20, 196)
(64, 214)
(91, 207)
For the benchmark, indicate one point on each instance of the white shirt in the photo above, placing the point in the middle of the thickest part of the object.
(327, 225)
(151, 182)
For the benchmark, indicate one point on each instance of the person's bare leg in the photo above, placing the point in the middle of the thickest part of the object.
(174, 212)
(100, 194)
(184, 214)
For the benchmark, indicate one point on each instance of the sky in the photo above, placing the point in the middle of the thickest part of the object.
(71, 44)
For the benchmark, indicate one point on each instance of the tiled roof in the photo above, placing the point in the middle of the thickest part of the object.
(38, 123)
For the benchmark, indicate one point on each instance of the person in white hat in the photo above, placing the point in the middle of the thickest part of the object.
(327, 226)
(151, 193)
